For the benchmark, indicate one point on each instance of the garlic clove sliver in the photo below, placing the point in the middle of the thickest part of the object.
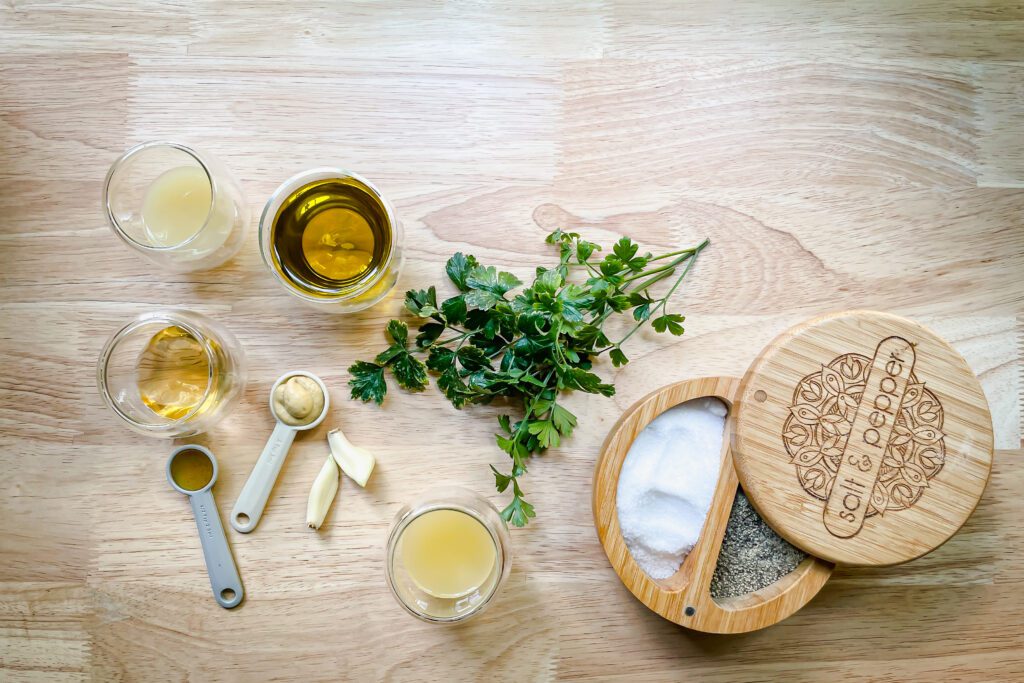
(357, 463)
(321, 495)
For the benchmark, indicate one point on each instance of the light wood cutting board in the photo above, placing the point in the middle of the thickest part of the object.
(838, 156)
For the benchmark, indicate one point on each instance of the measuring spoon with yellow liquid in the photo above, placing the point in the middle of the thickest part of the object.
(192, 470)
(298, 401)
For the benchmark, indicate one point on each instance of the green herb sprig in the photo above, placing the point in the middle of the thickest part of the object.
(488, 341)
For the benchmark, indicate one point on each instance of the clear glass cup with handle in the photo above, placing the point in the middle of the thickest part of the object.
(177, 207)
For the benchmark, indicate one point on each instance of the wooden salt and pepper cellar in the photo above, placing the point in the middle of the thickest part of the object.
(860, 437)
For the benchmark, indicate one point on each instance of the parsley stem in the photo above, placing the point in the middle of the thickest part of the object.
(668, 295)
(449, 340)
(655, 279)
(647, 273)
(675, 253)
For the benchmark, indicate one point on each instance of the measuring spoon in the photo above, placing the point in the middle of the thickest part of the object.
(192, 470)
(253, 498)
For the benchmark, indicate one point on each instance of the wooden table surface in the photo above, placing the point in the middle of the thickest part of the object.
(837, 154)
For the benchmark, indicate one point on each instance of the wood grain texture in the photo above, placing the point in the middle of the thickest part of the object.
(685, 597)
(839, 156)
(863, 438)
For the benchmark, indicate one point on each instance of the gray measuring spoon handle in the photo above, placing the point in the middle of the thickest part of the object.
(253, 498)
(220, 564)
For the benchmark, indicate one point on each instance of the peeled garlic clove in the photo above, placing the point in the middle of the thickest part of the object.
(356, 462)
(325, 487)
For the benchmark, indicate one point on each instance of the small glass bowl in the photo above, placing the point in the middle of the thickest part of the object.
(417, 601)
(118, 366)
(348, 298)
(124, 195)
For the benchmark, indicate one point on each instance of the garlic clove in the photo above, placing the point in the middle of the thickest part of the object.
(357, 463)
(321, 495)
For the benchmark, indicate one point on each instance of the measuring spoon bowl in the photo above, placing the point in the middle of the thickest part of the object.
(253, 499)
(188, 478)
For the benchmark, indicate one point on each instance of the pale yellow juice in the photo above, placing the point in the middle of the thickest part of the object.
(176, 206)
(448, 553)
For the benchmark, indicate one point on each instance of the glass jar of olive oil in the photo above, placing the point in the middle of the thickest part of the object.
(332, 239)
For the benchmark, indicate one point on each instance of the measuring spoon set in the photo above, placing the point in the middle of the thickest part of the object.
(192, 470)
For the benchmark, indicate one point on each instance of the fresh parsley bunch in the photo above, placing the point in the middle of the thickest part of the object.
(488, 341)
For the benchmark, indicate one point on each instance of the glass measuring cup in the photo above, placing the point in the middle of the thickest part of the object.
(192, 470)
(253, 498)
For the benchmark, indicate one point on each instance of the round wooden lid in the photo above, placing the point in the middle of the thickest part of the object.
(862, 438)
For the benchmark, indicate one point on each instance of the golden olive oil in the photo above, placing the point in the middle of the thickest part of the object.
(191, 470)
(330, 235)
(173, 374)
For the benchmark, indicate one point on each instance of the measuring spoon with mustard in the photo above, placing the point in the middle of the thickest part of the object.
(298, 401)
(192, 470)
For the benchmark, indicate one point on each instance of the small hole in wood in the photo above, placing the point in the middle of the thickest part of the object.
(760, 396)
(690, 611)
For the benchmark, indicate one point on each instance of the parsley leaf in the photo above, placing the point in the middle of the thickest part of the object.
(399, 332)
(578, 378)
(625, 249)
(410, 372)
(421, 302)
(440, 359)
(472, 358)
(501, 481)
(453, 388)
(429, 333)
(519, 512)
(481, 299)
(455, 309)
(458, 268)
(545, 432)
(671, 322)
(585, 249)
(563, 420)
(490, 279)
(367, 382)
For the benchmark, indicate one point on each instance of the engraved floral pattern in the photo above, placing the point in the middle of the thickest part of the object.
(819, 422)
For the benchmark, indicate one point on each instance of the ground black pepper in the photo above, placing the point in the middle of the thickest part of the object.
(752, 556)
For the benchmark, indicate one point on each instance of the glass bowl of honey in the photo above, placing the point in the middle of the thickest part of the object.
(171, 374)
(331, 239)
(448, 554)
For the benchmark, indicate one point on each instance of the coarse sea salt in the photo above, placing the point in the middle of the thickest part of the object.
(667, 481)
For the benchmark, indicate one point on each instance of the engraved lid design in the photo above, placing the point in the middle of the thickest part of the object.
(863, 438)
(821, 417)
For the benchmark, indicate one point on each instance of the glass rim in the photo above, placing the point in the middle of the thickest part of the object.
(147, 319)
(420, 509)
(137, 149)
(297, 181)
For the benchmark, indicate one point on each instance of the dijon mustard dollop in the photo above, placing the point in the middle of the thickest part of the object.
(298, 401)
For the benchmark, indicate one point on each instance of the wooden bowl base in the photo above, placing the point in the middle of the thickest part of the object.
(685, 597)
